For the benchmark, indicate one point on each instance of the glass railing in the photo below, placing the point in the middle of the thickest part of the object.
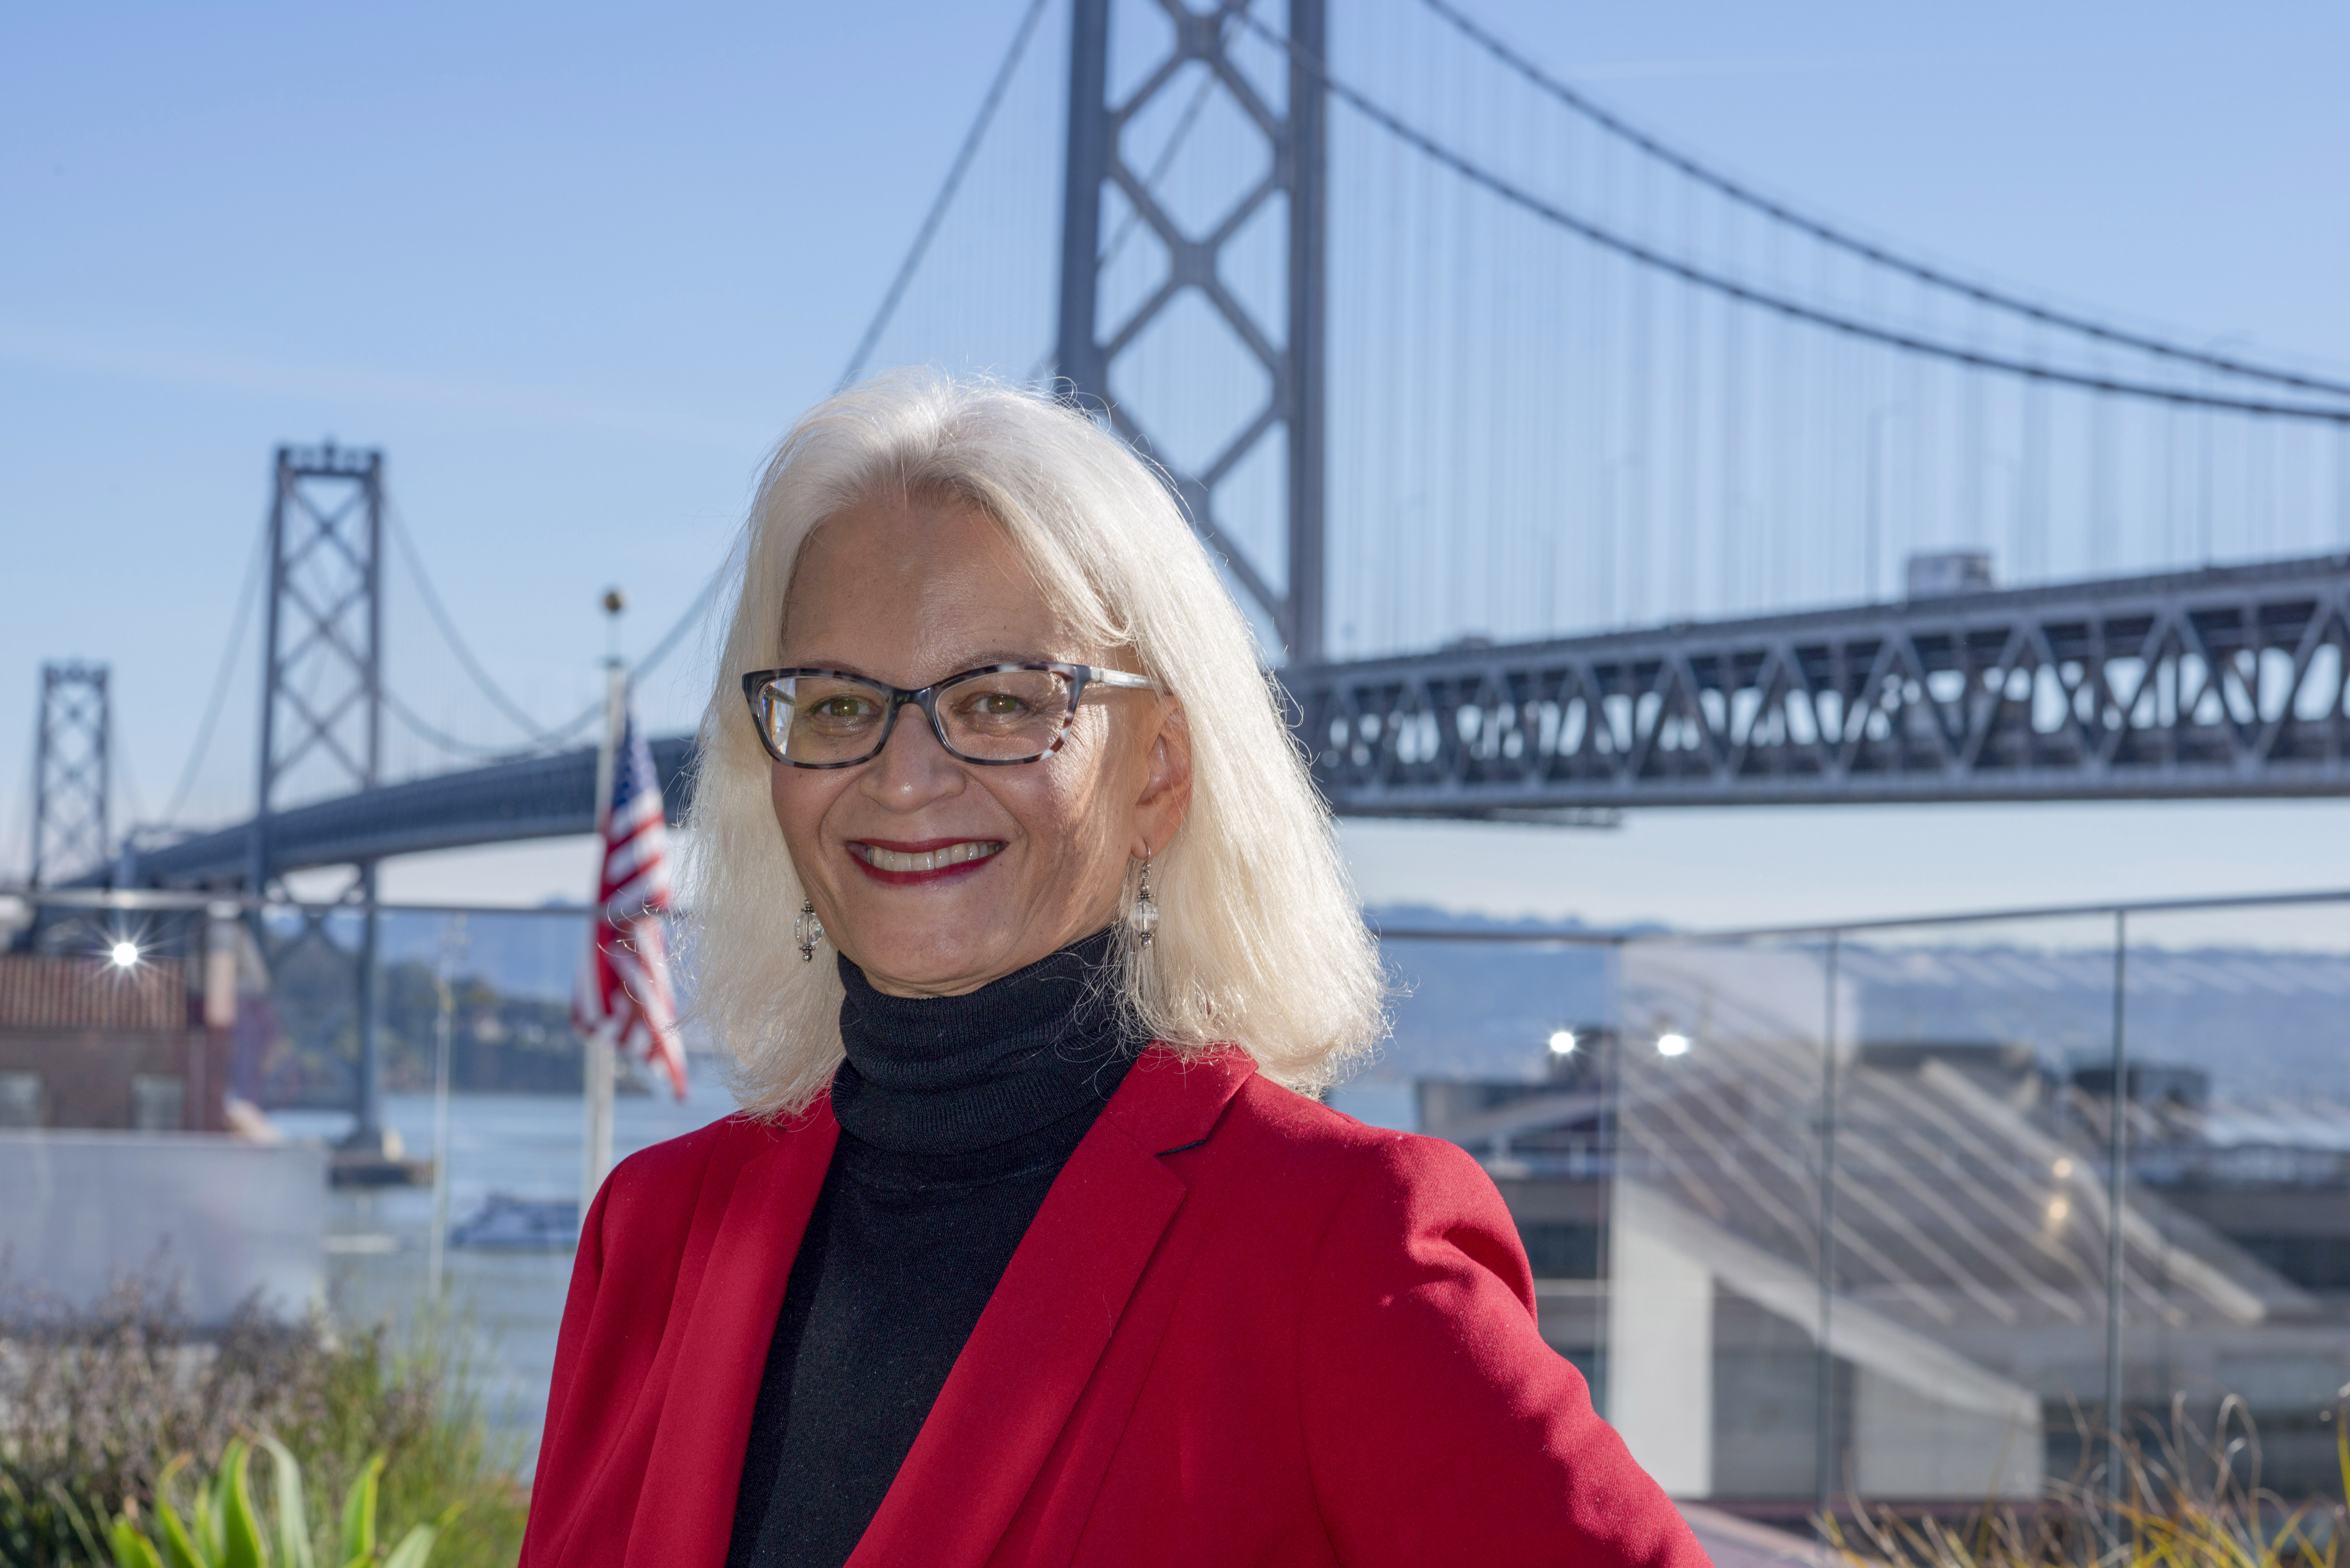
(1826, 1218)
(1831, 1218)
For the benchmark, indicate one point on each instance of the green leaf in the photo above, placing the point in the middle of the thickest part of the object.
(413, 1549)
(241, 1544)
(358, 1513)
(293, 1518)
(74, 1517)
(207, 1543)
(132, 1549)
(179, 1551)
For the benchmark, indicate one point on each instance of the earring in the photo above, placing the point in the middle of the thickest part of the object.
(1143, 918)
(807, 930)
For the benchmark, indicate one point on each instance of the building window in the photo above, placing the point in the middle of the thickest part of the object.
(157, 1102)
(1561, 1251)
(20, 1101)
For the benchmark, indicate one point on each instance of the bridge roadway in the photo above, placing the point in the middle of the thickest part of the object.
(2222, 682)
(2226, 681)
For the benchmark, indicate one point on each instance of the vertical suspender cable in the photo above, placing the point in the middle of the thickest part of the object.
(945, 198)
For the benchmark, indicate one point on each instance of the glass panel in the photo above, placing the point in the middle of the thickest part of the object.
(2236, 1099)
(1963, 1237)
(1714, 1257)
(1504, 1047)
(250, 1029)
(1971, 1281)
(507, 1155)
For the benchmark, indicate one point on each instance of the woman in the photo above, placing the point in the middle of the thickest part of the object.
(1022, 922)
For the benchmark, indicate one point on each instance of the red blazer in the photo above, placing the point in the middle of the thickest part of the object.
(1242, 1329)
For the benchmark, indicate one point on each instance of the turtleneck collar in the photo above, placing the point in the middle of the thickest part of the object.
(954, 1074)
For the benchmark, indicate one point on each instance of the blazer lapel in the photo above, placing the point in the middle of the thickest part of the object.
(1045, 1328)
(685, 1509)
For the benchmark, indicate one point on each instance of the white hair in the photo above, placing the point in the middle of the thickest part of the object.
(1260, 941)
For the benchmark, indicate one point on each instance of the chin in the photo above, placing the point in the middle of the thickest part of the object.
(932, 956)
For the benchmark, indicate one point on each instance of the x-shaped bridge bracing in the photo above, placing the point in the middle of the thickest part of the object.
(2227, 682)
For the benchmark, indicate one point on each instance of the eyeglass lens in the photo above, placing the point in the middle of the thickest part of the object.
(994, 716)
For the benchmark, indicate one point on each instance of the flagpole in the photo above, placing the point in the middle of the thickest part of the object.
(596, 1142)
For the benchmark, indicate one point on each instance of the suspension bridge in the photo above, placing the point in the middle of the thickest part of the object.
(1561, 470)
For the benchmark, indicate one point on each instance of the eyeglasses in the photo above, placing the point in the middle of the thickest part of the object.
(996, 715)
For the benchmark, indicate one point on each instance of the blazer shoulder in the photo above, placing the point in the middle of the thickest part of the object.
(1310, 1131)
(664, 1180)
(1283, 1134)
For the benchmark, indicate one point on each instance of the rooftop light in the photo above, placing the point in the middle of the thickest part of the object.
(1562, 1042)
(1672, 1044)
(125, 954)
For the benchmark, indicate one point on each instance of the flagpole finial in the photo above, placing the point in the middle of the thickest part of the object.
(615, 601)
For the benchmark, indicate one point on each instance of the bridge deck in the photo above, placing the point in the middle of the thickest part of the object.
(2223, 682)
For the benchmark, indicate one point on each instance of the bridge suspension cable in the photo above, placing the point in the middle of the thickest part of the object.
(1746, 196)
(945, 198)
(513, 711)
(908, 266)
(1783, 305)
(253, 572)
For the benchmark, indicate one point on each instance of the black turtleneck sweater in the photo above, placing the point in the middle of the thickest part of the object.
(956, 1113)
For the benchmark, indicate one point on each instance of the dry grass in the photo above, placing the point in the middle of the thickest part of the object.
(2188, 1498)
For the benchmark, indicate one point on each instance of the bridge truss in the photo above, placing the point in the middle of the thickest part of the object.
(2227, 682)
(2223, 682)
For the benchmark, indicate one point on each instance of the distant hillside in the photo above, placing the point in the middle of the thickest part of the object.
(2262, 1023)
(1474, 1009)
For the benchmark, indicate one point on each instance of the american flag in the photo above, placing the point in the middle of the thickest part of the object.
(624, 995)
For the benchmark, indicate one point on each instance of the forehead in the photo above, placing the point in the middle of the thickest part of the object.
(909, 589)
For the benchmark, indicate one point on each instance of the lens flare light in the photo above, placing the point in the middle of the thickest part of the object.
(1562, 1042)
(124, 954)
(1672, 1044)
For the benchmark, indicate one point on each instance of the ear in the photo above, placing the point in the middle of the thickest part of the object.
(1166, 795)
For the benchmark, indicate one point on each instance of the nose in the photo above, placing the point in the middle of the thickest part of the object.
(913, 769)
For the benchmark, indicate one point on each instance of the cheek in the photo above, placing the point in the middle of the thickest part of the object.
(799, 798)
(1068, 810)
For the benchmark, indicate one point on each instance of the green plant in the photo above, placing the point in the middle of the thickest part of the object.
(226, 1527)
(95, 1401)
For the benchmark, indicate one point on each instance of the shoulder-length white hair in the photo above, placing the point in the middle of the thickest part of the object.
(1260, 939)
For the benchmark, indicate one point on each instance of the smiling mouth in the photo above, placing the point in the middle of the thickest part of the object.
(935, 857)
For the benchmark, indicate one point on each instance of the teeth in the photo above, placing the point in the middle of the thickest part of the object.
(928, 859)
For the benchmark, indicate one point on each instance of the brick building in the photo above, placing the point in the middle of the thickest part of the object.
(87, 1043)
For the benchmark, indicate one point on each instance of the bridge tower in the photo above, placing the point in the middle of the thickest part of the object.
(1293, 131)
(71, 764)
(322, 707)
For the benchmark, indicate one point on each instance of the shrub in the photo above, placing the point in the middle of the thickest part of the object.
(226, 1529)
(97, 1402)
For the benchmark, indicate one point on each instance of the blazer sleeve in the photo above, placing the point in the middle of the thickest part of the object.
(556, 1457)
(1438, 1425)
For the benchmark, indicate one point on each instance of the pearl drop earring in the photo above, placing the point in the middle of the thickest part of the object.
(1143, 918)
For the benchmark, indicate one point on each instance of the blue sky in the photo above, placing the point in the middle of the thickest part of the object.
(574, 269)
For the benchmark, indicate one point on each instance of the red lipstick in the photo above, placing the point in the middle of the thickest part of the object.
(902, 864)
